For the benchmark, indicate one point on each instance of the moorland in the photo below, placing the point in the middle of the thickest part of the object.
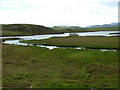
(39, 67)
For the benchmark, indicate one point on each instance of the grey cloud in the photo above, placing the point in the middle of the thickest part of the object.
(110, 4)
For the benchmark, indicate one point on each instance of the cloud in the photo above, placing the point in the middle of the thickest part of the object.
(13, 4)
(57, 12)
(110, 4)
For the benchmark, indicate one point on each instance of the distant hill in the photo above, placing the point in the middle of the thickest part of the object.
(62, 26)
(25, 29)
(69, 29)
(30, 29)
(104, 25)
(66, 26)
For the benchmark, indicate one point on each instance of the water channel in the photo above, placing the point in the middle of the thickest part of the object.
(38, 37)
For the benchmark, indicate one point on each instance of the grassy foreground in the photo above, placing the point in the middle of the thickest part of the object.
(35, 67)
(84, 41)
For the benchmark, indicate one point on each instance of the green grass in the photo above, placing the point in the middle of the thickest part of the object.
(69, 29)
(14, 33)
(105, 29)
(27, 66)
(66, 29)
(84, 41)
(25, 29)
(29, 29)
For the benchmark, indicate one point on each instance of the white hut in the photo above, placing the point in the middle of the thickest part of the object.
(73, 34)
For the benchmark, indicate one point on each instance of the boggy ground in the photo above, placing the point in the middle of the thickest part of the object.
(80, 41)
(36, 67)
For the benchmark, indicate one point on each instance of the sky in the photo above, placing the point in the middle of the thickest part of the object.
(59, 12)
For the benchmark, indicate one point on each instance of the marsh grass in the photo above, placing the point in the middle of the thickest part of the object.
(36, 67)
(105, 29)
(85, 29)
(82, 41)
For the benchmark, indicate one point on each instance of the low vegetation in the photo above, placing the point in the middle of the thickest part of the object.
(30, 29)
(82, 41)
(25, 29)
(36, 67)
(69, 29)
(105, 29)
(14, 33)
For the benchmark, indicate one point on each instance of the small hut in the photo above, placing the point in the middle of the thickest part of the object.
(73, 34)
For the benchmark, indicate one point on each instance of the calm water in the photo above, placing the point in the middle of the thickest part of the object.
(99, 33)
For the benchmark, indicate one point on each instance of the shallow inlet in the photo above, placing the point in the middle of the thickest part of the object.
(38, 37)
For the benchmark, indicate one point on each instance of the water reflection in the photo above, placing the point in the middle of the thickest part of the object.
(36, 37)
